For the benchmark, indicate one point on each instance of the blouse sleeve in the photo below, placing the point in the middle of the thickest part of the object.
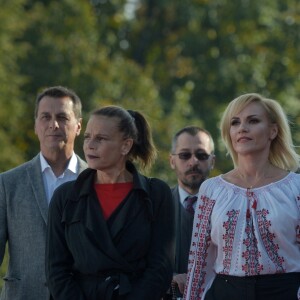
(298, 226)
(202, 252)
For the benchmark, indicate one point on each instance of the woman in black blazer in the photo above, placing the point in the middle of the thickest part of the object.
(111, 232)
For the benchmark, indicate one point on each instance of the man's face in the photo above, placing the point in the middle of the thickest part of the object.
(190, 170)
(56, 125)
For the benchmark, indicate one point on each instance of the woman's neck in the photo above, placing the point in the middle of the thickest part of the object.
(251, 176)
(114, 176)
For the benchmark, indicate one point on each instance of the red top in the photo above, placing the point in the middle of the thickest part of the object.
(110, 195)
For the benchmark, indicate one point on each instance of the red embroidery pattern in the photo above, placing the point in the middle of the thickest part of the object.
(200, 244)
(252, 201)
(251, 254)
(298, 226)
(228, 237)
(264, 226)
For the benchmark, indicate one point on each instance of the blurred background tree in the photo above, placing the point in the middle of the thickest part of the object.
(11, 80)
(179, 62)
(219, 49)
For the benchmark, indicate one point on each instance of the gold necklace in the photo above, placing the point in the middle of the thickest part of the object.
(254, 184)
(252, 199)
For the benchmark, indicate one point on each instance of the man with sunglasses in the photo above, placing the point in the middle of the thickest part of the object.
(192, 158)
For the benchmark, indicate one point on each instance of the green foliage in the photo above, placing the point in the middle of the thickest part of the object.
(11, 129)
(180, 62)
(223, 48)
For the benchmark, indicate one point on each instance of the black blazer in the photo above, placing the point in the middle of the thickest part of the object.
(134, 246)
(183, 229)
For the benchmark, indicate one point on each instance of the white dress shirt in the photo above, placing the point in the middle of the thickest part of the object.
(183, 195)
(51, 182)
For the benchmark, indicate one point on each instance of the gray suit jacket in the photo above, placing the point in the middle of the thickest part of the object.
(23, 218)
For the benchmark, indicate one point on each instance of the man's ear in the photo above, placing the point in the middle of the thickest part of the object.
(171, 160)
(79, 126)
(213, 160)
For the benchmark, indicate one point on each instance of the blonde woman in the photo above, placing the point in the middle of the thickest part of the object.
(246, 229)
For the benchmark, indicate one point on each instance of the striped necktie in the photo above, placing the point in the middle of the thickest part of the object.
(189, 203)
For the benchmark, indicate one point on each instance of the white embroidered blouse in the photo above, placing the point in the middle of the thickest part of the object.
(244, 232)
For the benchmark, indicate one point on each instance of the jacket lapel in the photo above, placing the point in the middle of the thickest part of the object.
(35, 179)
(86, 210)
(82, 164)
(83, 207)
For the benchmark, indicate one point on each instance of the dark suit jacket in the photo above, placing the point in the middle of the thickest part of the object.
(184, 228)
(135, 245)
(23, 219)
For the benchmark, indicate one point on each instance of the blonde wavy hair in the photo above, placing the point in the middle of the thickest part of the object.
(282, 151)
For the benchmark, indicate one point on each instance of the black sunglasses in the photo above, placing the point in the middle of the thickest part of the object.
(188, 155)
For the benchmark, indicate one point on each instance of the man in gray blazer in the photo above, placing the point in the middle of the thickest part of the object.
(192, 157)
(26, 191)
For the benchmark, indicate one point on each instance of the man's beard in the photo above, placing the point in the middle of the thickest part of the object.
(196, 180)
